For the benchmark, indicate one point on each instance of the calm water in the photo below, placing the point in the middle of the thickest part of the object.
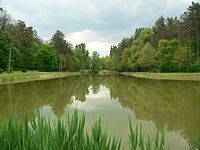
(172, 105)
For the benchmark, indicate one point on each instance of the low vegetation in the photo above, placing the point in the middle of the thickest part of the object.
(17, 77)
(164, 76)
(42, 133)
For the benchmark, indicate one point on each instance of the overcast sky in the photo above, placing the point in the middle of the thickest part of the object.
(98, 23)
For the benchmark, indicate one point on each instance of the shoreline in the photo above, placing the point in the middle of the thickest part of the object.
(29, 76)
(19, 77)
(164, 76)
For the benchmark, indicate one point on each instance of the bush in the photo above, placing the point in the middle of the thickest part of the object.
(1, 70)
(9, 71)
(24, 70)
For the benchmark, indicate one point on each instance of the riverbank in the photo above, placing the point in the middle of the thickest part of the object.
(164, 76)
(108, 73)
(18, 77)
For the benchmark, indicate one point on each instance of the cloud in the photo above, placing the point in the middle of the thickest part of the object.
(95, 41)
(99, 23)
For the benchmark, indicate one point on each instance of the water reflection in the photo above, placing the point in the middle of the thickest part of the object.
(173, 105)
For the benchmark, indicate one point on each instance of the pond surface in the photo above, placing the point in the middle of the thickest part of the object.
(172, 105)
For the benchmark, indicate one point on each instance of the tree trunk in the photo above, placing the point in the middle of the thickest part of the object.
(198, 48)
(9, 61)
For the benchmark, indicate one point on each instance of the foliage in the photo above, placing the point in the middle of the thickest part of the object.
(173, 46)
(175, 41)
(64, 50)
(46, 58)
(81, 57)
(95, 62)
(139, 141)
(43, 133)
(147, 57)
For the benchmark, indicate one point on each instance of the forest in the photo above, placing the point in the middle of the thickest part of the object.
(171, 45)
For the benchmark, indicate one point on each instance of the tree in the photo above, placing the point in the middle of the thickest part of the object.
(147, 57)
(191, 19)
(95, 62)
(115, 57)
(106, 63)
(23, 38)
(64, 50)
(30, 56)
(126, 59)
(181, 57)
(46, 58)
(159, 30)
(165, 54)
(4, 19)
(81, 57)
(172, 28)
(6, 46)
(5, 41)
(145, 36)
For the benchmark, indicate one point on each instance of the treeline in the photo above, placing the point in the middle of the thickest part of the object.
(171, 45)
(22, 49)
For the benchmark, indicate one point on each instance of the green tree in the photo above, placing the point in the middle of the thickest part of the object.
(5, 41)
(64, 51)
(165, 54)
(147, 57)
(95, 62)
(81, 57)
(182, 58)
(46, 58)
(159, 30)
(126, 59)
(191, 20)
(30, 56)
(115, 58)
(5, 19)
(23, 38)
(145, 36)
(106, 63)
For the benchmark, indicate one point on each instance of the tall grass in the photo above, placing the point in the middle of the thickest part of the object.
(197, 144)
(43, 134)
(139, 141)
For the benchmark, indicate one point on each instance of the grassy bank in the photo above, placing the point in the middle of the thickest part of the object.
(41, 133)
(108, 73)
(17, 77)
(164, 76)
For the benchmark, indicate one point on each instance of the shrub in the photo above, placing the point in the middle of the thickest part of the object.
(1, 70)
(24, 70)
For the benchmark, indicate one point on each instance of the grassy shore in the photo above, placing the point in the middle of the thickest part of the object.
(18, 77)
(164, 76)
(108, 73)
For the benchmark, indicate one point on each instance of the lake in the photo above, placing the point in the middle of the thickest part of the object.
(170, 105)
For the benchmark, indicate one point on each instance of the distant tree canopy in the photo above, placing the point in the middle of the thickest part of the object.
(171, 45)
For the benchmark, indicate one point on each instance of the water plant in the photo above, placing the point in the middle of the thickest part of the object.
(43, 133)
(138, 140)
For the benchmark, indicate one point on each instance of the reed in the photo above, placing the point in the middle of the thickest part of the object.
(43, 133)
(138, 140)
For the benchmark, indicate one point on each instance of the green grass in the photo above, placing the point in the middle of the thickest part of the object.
(164, 76)
(17, 77)
(41, 133)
